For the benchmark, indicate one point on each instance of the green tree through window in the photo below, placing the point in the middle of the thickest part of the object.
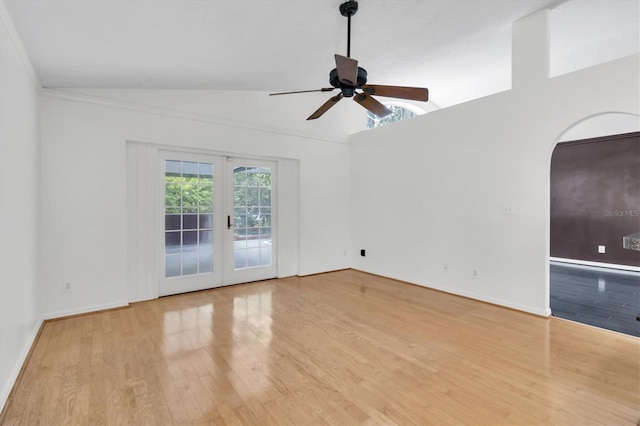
(399, 113)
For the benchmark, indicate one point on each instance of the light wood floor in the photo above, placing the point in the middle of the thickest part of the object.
(338, 348)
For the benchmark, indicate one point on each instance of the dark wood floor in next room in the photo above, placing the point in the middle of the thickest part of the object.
(600, 297)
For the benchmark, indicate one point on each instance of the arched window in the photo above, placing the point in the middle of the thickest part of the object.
(400, 112)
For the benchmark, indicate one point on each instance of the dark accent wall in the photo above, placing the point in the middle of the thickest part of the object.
(595, 198)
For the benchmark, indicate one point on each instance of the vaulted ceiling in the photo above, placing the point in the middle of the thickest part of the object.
(460, 49)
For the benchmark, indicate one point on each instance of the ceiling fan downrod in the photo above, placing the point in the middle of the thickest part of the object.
(349, 9)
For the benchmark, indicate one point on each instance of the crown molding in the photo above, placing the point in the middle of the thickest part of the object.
(5, 18)
(184, 115)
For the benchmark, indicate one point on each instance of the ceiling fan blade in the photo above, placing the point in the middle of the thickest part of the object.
(413, 93)
(324, 89)
(325, 107)
(347, 70)
(372, 105)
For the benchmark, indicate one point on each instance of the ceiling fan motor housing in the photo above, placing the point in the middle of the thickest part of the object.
(349, 8)
(348, 89)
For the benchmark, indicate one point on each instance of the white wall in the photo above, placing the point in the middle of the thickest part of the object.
(19, 206)
(84, 201)
(468, 186)
(246, 109)
(588, 33)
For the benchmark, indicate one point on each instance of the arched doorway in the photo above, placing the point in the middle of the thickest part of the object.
(594, 203)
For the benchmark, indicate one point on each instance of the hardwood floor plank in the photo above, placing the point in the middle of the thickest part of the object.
(340, 348)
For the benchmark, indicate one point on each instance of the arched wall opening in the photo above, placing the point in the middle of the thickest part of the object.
(595, 172)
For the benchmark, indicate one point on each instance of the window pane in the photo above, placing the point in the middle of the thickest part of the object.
(239, 242)
(172, 168)
(253, 218)
(240, 218)
(189, 169)
(172, 222)
(206, 169)
(252, 178)
(252, 197)
(171, 242)
(264, 178)
(205, 262)
(189, 264)
(239, 259)
(172, 266)
(205, 194)
(265, 196)
(265, 233)
(253, 257)
(398, 113)
(206, 237)
(190, 221)
(206, 221)
(239, 196)
(265, 256)
(172, 194)
(190, 192)
(189, 241)
(239, 176)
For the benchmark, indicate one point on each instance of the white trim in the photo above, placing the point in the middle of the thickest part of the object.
(594, 265)
(86, 309)
(4, 396)
(5, 18)
(192, 116)
(494, 301)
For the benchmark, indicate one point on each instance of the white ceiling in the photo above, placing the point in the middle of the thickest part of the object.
(459, 49)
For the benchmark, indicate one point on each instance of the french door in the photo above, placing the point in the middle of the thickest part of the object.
(217, 221)
(250, 203)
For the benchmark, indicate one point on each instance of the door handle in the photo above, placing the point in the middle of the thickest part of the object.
(229, 224)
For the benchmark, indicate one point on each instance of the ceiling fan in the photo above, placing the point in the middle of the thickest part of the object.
(352, 80)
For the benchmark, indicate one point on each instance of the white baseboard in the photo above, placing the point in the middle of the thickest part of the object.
(86, 309)
(499, 302)
(19, 363)
(586, 263)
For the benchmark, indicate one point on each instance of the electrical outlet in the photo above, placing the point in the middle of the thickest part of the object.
(67, 288)
(475, 273)
(508, 211)
(601, 249)
(446, 267)
(363, 253)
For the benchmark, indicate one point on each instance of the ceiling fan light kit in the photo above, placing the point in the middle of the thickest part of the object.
(352, 80)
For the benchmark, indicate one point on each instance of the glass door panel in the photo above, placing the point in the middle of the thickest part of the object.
(250, 221)
(252, 217)
(189, 199)
(188, 218)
